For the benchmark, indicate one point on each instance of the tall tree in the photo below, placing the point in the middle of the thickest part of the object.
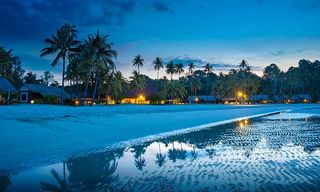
(97, 57)
(179, 69)
(208, 69)
(191, 68)
(271, 73)
(158, 64)
(61, 44)
(170, 69)
(47, 78)
(137, 82)
(138, 62)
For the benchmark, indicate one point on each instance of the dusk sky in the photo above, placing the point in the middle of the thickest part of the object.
(221, 32)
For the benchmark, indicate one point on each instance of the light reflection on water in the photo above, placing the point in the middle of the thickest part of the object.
(247, 155)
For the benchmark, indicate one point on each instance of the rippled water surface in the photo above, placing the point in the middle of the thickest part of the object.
(262, 154)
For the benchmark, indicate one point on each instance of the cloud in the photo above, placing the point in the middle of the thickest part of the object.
(161, 6)
(36, 18)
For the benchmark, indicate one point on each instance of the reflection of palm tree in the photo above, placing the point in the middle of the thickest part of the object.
(160, 159)
(194, 154)
(139, 161)
(4, 182)
(93, 172)
(211, 152)
(173, 153)
(62, 187)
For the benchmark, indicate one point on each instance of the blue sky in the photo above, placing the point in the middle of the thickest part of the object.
(221, 32)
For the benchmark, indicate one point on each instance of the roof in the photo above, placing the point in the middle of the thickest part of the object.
(45, 90)
(202, 98)
(6, 86)
(301, 96)
(258, 97)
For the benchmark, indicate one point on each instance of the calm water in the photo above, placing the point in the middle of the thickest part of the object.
(249, 155)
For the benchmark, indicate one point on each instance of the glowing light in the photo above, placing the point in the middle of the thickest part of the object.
(197, 99)
(141, 97)
(32, 101)
(76, 103)
(240, 94)
(94, 103)
(305, 100)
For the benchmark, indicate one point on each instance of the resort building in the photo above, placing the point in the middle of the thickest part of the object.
(6, 90)
(302, 98)
(261, 99)
(34, 93)
(202, 99)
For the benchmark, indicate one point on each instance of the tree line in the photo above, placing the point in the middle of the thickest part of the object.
(89, 67)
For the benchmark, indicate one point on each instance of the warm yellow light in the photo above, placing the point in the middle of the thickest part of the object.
(76, 103)
(305, 100)
(141, 97)
(32, 101)
(245, 96)
(240, 94)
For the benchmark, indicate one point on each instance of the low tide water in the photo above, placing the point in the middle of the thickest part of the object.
(261, 154)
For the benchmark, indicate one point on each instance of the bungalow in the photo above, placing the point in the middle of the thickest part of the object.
(202, 99)
(230, 100)
(302, 98)
(42, 93)
(261, 99)
(6, 90)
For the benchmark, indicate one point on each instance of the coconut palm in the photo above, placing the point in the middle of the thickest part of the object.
(117, 86)
(191, 68)
(175, 90)
(179, 69)
(244, 66)
(208, 69)
(158, 64)
(195, 85)
(170, 69)
(138, 62)
(137, 82)
(97, 58)
(61, 44)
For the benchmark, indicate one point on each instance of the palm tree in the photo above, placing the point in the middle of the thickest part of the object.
(116, 86)
(208, 69)
(175, 90)
(244, 66)
(195, 85)
(191, 68)
(97, 58)
(138, 62)
(158, 64)
(179, 69)
(137, 82)
(170, 69)
(61, 44)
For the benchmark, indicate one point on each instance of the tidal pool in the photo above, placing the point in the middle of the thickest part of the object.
(261, 154)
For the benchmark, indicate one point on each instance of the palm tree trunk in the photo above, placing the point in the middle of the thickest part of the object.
(158, 74)
(95, 88)
(63, 71)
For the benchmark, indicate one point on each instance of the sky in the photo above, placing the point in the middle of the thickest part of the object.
(219, 32)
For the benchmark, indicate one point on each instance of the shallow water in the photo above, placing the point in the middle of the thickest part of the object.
(261, 154)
